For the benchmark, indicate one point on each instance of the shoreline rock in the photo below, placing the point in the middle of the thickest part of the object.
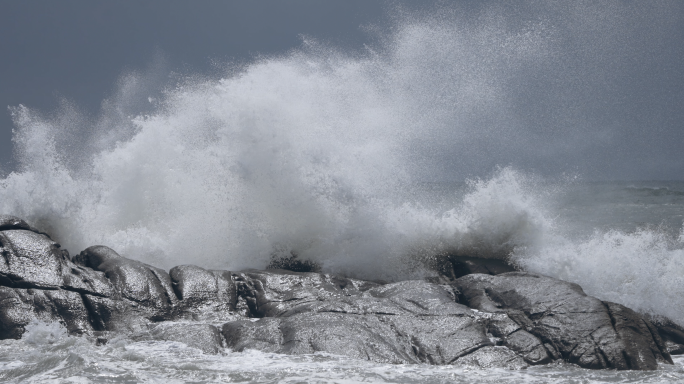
(479, 313)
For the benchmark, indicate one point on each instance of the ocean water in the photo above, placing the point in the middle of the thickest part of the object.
(349, 159)
(47, 355)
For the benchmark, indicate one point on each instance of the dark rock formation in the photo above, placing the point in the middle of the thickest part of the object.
(453, 266)
(380, 338)
(405, 322)
(568, 323)
(477, 313)
(146, 289)
(204, 295)
(31, 260)
(356, 336)
(38, 281)
(672, 336)
(12, 222)
(18, 307)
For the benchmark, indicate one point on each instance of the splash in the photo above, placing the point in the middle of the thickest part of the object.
(323, 153)
(314, 153)
(642, 269)
(39, 333)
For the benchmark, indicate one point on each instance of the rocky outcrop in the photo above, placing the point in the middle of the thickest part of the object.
(671, 334)
(8, 222)
(18, 307)
(204, 295)
(479, 312)
(38, 281)
(144, 291)
(32, 260)
(404, 322)
(569, 324)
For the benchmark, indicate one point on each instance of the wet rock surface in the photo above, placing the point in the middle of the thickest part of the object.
(581, 329)
(672, 336)
(146, 289)
(480, 313)
(204, 295)
(8, 222)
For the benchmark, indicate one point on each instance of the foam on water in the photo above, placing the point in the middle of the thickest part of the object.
(77, 360)
(319, 152)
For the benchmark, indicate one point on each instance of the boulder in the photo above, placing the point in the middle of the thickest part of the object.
(355, 336)
(32, 260)
(19, 307)
(379, 338)
(146, 290)
(578, 328)
(404, 322)
(38, 281)
(638, 336)
(671, 334)
(204, 295)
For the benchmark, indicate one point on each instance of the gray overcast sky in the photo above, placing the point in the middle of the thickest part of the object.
(77, 49)
(618, 75)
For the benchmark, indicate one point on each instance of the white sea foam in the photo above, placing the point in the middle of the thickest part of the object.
(312, 152)
(76, 360)
(642, 270)
(40, 333)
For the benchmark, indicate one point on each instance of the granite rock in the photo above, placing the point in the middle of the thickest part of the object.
(147, 290)
(579, 328)
(204, 295)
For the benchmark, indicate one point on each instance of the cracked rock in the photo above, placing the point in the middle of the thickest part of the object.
(561, 315)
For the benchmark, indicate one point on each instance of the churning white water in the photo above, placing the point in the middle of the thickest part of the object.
(47, 355)
(346, 159)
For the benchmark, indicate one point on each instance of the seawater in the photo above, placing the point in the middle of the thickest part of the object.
(348, 159)
(47, 355)
(635, 264)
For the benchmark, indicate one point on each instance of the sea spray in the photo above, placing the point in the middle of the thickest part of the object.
(320, 152)
(311, 153)
(642, 269)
